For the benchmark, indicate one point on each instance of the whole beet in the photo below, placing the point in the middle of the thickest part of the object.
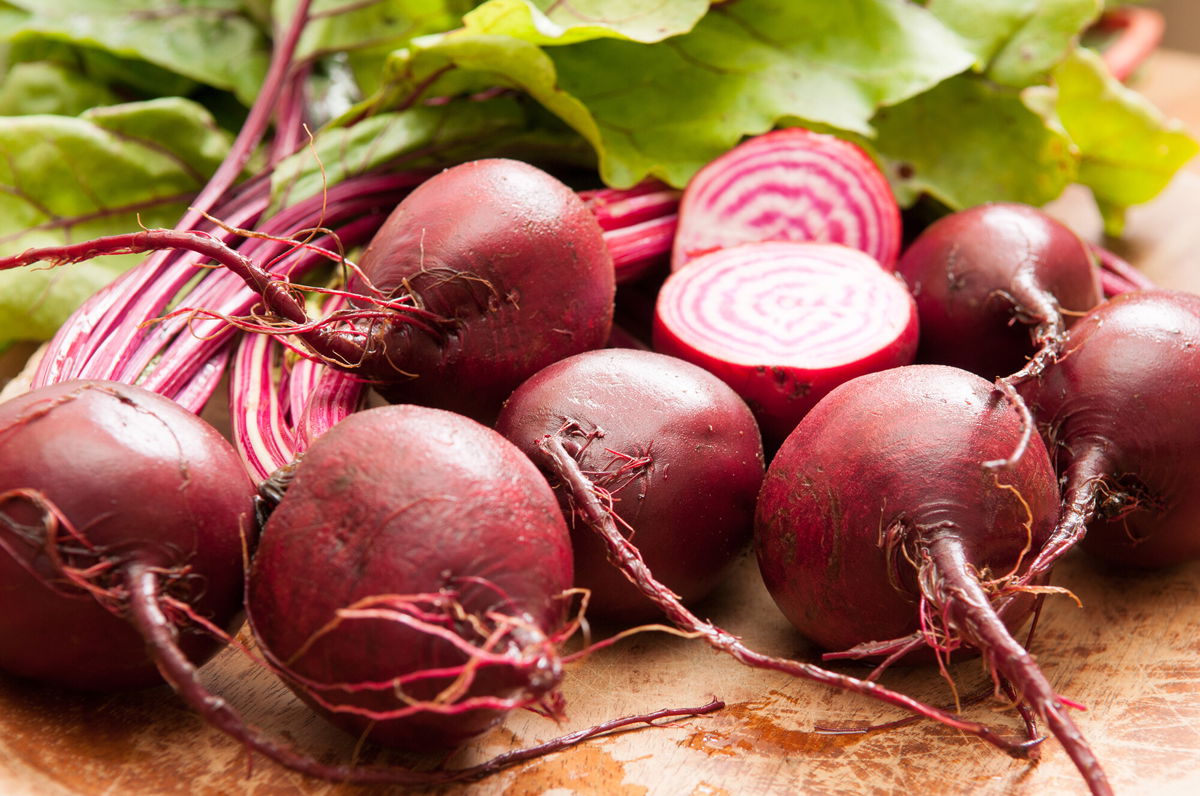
(411, 581)
(995, 284)
(675, 446)
(880, 517)
(110, 493)
(1121, 414)
(513, 264)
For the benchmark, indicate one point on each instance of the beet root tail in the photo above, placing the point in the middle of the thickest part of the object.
(955, 587)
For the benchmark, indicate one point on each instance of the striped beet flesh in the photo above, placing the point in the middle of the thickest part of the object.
(784, 322)
(789, 184)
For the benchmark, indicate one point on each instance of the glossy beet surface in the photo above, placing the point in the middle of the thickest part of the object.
(900, 449)
(514, 263)
(140, 480)
(888, 512)
(678, 449)
(1122, 414)
(415, 514)
(984, 276)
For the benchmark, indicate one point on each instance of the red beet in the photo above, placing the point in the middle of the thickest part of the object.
(879, 518)
(515, 269)
(676, 449)
(111, 497)
(411, 583)
(1121, 415)
(997, 284)
(783, 323)
(563, 444)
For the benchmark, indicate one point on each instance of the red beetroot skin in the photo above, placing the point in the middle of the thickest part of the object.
(978, 273)
(513, 259)
(405, 500)
(1122, 415)
(881, 509)
(901, 446)
(144, 481)
(690, 503)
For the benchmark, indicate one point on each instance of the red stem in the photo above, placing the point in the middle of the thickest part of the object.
(255, 126)
(1141, 31)
(1112, 264)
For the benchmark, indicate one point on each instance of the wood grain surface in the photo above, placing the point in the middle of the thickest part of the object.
(1130, 654)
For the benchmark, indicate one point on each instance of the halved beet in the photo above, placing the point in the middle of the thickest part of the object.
(790, 184)
(783, 323)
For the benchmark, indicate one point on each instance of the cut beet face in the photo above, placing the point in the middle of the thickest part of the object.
(790, 184)
(783, 323)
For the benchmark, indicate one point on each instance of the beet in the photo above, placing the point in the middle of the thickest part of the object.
(1121, 416)
(516, 269)
(676, 449)
(790, 184)
(784, 322)
(563, 443)
(997, 284)
(880, 518)
(412, 580)
(111, 496)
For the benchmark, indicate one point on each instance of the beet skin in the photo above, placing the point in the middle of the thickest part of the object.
(141, 481)
(415, 514)
(676, 446)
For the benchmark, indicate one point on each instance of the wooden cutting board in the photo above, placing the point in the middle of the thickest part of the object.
(1131, 654)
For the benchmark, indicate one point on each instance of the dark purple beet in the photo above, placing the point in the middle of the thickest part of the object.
(677, 448)
(1121, 413)
(881, 517)
(992, 284)
(97, 479)
(425, 515)
(514, 264)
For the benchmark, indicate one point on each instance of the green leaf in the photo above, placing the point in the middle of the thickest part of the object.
(549, 22)
(667, 108)
(1128, 149)
(1017, 42)
(210, 41)
(418, 137)
(968, 141)
(44, 87)
(67, 179)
